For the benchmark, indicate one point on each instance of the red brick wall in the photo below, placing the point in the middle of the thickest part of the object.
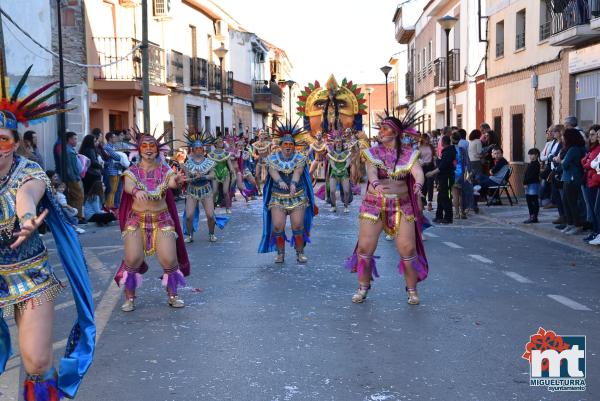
(242, 90)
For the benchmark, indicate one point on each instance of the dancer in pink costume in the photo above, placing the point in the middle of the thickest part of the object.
(150, 223)
(391, 204)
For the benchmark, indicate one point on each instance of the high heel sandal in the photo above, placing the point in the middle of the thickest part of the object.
(128, 305)
(413, 297)
(361, 293)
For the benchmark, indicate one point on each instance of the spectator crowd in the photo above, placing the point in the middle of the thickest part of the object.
(466, 170)
(564, 175)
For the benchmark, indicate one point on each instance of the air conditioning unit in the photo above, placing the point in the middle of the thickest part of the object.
(161, 9)
(220, 30)
(129, 3)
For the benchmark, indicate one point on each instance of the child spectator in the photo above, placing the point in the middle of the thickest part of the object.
(531, 181)
(69, 211)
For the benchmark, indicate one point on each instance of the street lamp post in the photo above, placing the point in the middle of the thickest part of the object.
(62, 122)
(290, 83)
(386, 70)
(369, 91)
(447, 23)
(221, 52)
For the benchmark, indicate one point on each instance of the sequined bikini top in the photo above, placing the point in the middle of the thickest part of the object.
(154, 182)
(383, 158)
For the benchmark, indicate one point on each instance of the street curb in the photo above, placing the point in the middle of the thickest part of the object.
(592, 250)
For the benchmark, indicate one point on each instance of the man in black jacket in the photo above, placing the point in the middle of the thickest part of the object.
(445, 175)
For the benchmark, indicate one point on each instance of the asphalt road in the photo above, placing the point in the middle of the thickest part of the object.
(253, 330)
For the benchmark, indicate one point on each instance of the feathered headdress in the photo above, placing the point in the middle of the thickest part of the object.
(198, 139)
(14, 110)
(286, 132)
(139, 137)
(336, 135)
(406, 125)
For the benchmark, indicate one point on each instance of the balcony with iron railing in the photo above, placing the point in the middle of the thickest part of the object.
(267, 97)
(175, 73)
(124, 72)
(214, 78)
(440, 66)
(571, 22)
(199, 73)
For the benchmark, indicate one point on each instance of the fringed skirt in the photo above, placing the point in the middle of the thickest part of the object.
(151, 224)
(388, 208)
(30, 279)
(288, 202)
(200, 192)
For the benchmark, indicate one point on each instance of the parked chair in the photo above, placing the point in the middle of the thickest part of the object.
(504, 186)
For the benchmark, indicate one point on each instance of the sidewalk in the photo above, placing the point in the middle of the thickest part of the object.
(515, 215)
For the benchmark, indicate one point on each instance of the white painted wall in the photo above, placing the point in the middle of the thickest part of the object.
(20, 51)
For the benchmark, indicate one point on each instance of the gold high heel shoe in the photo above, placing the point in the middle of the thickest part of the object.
(413, 297)
(361, 294)
(128, 305)
(301, 258)
(175, 302)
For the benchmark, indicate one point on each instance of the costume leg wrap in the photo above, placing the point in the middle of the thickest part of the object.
(278, 239)
(298, 239)
(416, 262)
(42, 387)
(358, 263)
(132, 279)
(172, 279)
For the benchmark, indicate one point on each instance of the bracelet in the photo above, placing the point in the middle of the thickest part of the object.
(418, 188)
(134, 191)
(26, 217)
(375, 184)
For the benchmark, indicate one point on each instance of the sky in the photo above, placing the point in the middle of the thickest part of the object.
(349, 38)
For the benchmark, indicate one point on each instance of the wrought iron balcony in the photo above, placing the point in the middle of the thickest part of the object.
(214, 78)
(571, 22)
(267, 97)
(175, 76)
(199, 73)
(127, 65)
(440, 66)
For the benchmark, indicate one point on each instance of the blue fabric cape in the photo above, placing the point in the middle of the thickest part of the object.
(220, 221)
(80, 346)
(266, 245)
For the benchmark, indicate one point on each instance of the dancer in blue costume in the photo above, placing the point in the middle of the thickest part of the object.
(28, 285)
(199, 171)
(287, 191)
